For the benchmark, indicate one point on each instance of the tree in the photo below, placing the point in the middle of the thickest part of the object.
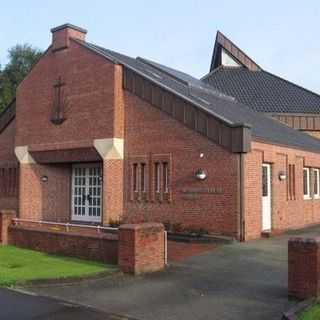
(21, 59)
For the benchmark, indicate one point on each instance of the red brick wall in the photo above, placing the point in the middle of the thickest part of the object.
(8, 198)
(94, 110)
(7, 137)
(45, 200)
(89, 90)
(93, 247)
(304, 267)
(149, 133)
(6, 217)
(286, 213)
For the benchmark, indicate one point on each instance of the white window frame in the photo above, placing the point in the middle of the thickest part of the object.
(308, 195)
(317, 195)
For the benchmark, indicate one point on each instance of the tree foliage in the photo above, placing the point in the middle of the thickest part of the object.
(21, 59)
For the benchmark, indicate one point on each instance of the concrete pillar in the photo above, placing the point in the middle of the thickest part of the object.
(304, 267)
(141, 248)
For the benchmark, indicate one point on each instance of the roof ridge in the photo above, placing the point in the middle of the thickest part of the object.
(211, 72)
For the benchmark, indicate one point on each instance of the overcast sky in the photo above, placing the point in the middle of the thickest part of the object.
(281, 36)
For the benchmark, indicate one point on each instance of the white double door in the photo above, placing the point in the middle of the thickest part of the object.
(266, 197)
(86, 193)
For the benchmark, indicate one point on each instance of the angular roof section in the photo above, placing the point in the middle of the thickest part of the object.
(234, 73)
(224, 47)
(263, 91)
(215, 103)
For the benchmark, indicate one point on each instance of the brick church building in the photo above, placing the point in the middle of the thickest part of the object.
(95, 136)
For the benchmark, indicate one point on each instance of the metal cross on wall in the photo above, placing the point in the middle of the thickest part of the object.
(59, 102)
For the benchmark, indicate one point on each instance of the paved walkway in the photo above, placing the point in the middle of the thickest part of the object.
(239, 281)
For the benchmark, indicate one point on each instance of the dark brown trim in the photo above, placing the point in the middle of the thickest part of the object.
(234, 51)
(242, 198)
(236, 139)
(306, 122)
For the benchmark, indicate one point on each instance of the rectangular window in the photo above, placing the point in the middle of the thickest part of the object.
(292, 182)
(316, 190)
(306, 183)
(135, 177)
(265, 181)
(165, 177)
(157, 176)
(143, 177)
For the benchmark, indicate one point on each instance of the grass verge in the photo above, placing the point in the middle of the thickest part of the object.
(19, 265)
(311, 313)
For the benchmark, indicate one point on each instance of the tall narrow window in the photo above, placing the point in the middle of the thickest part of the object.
(292, 182)
(165, 177)
(306, 183)
(135, 177)
(157, 176)
(316, 190)
(143, 177)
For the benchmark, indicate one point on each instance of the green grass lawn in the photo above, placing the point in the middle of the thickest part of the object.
(312, 313)
(20, 264)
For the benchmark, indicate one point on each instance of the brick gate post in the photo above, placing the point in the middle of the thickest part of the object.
(141, 247)
(6, 217)
(304, 267)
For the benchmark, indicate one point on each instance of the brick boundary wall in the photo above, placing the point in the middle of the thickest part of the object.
(304, 267)
(137, 248)
(98, 247)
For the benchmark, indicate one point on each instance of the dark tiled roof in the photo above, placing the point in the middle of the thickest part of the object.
(263, 91)
(212, 101)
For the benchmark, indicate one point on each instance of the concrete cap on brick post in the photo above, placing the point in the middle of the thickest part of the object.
(304, 267)
(141, 247)
(6, 217)
(61, 35)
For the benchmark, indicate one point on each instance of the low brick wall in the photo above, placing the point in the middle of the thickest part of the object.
(99, 247)
(136, 248)
(304, 267)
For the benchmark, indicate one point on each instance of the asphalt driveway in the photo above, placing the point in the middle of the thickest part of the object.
(237, 281)
(20, 306)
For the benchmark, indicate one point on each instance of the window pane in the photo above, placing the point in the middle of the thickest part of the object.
(316, 182)
(305, 182)
(143, 177)
(165, 177)
(264, 181)
(157, 176)
(135, 178)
